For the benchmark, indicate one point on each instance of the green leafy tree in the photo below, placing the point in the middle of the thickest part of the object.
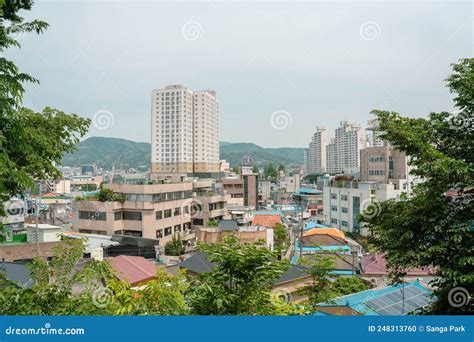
(280, 236)
(320, 289)
(30, 142)
(281, 167)
(107, 195)
(432, 227)
(174, 247)
(240, 283)
(343, 286)
(270, 172)
(255, 169)
(213, 224)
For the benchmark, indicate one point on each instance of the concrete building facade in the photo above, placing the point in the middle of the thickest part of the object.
(184, 131)
(342, 154)
(344, 201)
(317, 151)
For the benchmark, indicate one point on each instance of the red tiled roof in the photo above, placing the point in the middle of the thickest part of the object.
(133, 269)
(266, 220)
(375, 264)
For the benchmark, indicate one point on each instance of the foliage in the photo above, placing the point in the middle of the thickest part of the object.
(281, 167)
(162, 296)
(320, 289)
(107, 195)
(213, 224)
(281, 239)
(255, 169)
(323, 288)
(30, 142)
(343, 286)
(431, 228)
(240, 282)
(174, 247)
(270, 172)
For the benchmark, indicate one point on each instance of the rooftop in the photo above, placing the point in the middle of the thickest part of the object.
(133, 269)
(400, 299)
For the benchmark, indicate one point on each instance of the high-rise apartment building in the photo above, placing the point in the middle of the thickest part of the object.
(343, 153)
(185, 131)
(317, 151)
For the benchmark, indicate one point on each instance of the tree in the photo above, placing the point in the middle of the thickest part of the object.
(281, 167)
(343, 286)
(270, 172)
(433, 227)
(255, 169)
(174, 247)
(213, 224)
(280, 236)
(240, 282)
(30, 142)
(320, 289)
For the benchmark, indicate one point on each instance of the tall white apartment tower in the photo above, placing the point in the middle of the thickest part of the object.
(206, 131)
(317, 151)
(184, 131)
(343, 154)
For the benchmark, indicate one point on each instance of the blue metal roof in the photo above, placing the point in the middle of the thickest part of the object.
(308, 191)
(312, 224)
(363, 302)
(322, 248)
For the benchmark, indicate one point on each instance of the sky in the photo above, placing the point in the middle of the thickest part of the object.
(279, 68)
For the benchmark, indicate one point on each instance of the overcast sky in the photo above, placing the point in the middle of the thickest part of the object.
(279, 69)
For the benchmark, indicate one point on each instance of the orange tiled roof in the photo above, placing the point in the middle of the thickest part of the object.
(325, 231)
(266, 220)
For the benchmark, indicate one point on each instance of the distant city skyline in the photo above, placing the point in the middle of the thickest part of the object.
(279, 69)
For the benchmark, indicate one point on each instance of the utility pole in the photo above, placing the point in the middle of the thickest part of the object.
(38, 199)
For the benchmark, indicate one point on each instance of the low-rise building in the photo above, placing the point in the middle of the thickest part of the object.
(209, 203)
(246, 234)
(154, 211)
(344, 201)
(243, 189)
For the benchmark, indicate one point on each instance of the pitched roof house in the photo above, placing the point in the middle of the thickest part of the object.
(133, 269)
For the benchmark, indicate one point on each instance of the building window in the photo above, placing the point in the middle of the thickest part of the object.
(118, 215)
(177, 228)
(198, 222)
(168, 231)
(344, 223)
(343, 197)
(333, 208)
(344, 210)
(92, 215)
(159, 233)
(167, 213)
(333, 196)
(333, 221)
(177, 211)
(159, 215)
(132, 216)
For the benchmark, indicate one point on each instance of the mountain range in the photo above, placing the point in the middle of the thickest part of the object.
(106, 152)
